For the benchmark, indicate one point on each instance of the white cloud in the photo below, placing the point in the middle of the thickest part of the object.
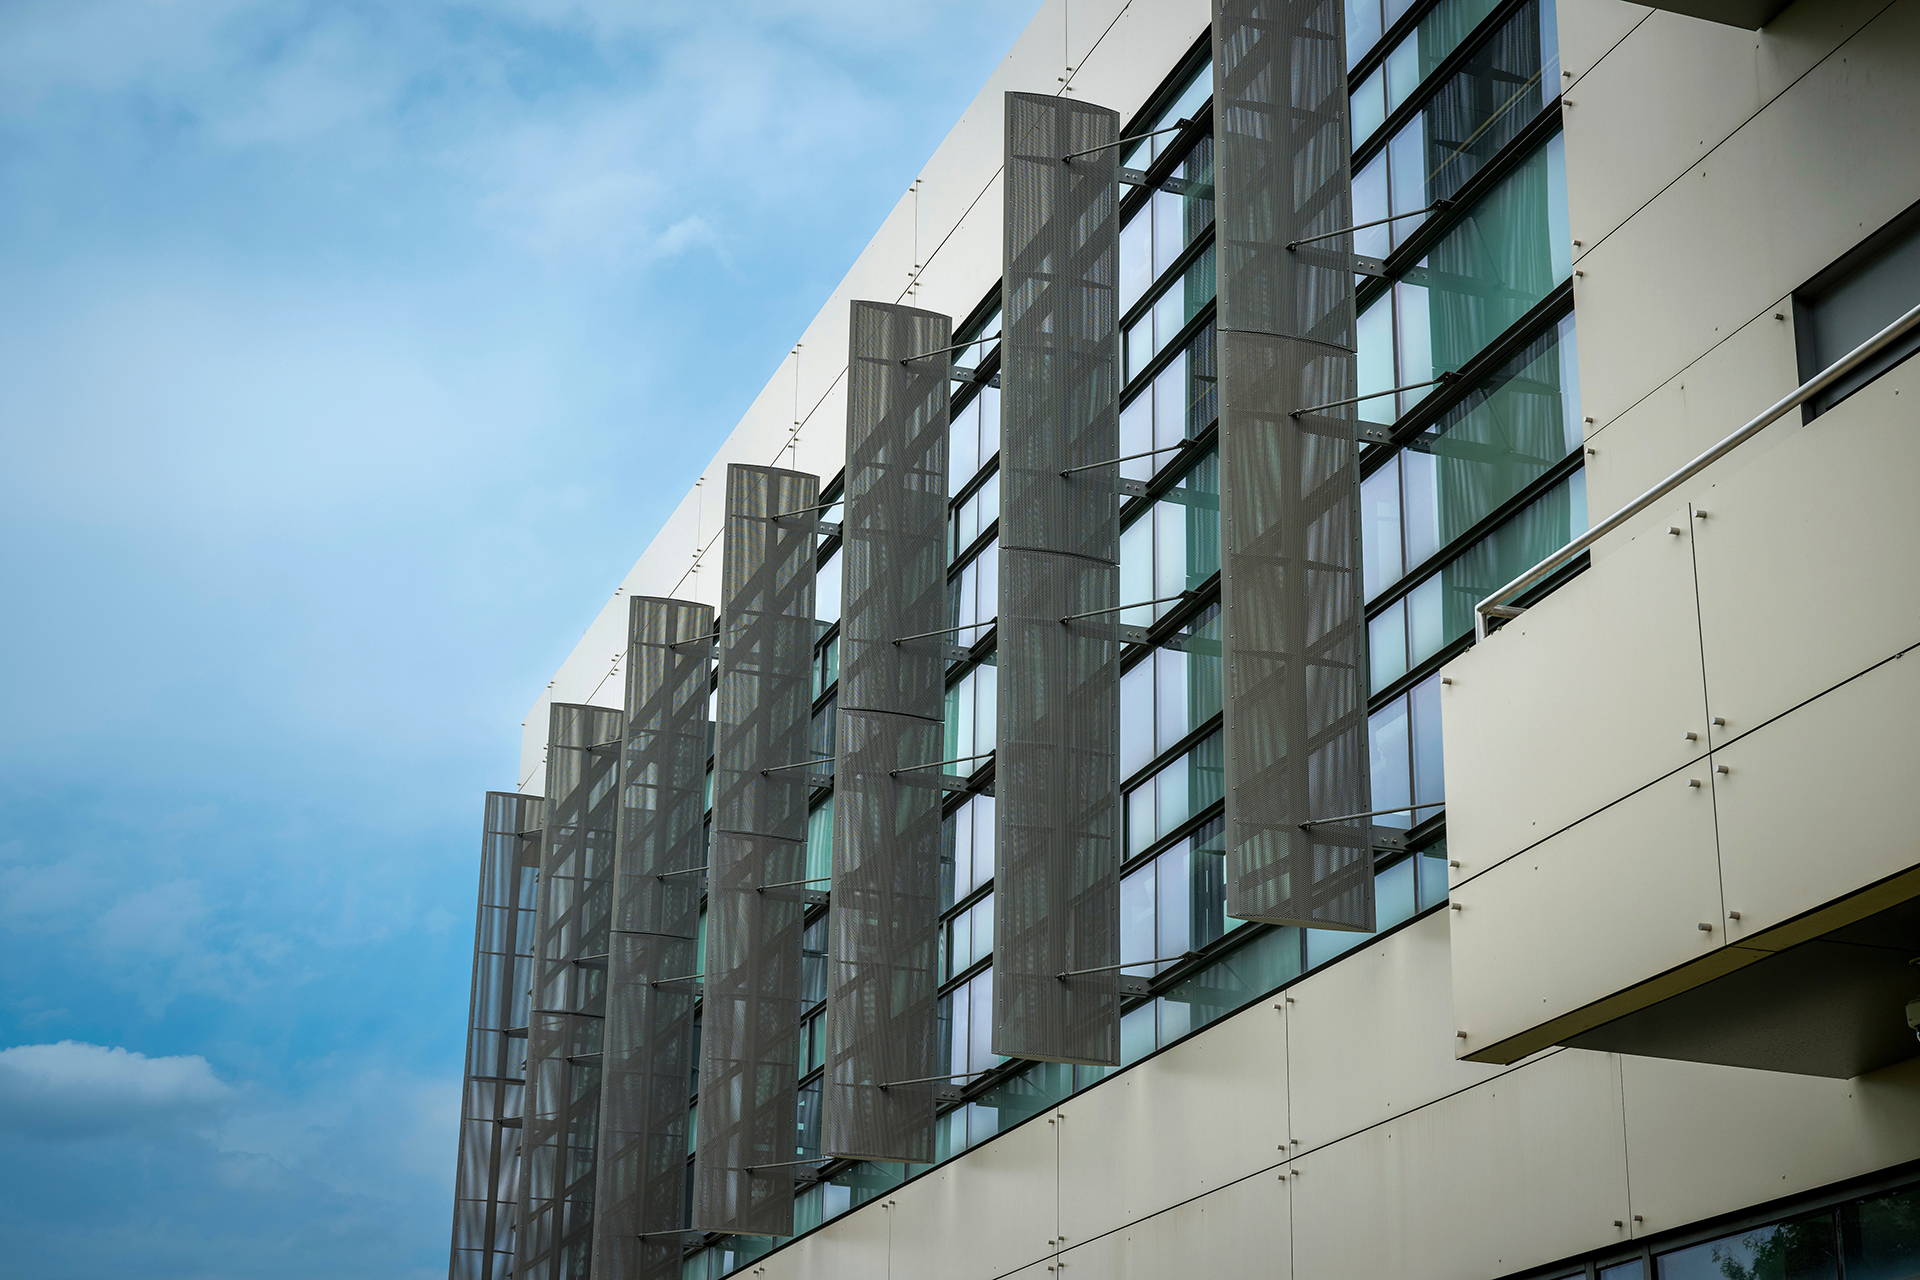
(72, 1090)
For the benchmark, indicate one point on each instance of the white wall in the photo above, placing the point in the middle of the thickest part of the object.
(1112, 52)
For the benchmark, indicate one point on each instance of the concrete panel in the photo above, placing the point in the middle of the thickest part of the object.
(1186, 1122)
(1585, 698)
(1806, 559)
(1372, 1037)
(1694, 409)
(1589, 30)
(992, 1211)
(1240, 1230)
(1511, 1174)
(1671, 91)
(1823, 165)
(1703, 1140)
(851, 1247)
(1606, 904)
(1817, 803)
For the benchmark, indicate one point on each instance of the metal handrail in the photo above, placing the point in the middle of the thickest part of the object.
(1492, 606)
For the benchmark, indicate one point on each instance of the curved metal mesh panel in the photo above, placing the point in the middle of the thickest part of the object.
(1294, 628)
(1059, 367)
(561, 1125)
(1056, 858)
(1056, 812)
(486, 1194)
(886, 837)
(648, 1054)
(751, 1016)
(1282, 168)
(893, 550)
(881, 973)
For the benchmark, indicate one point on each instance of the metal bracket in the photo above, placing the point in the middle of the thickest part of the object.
(812, 897)
(958, 653)
(1130, 488)
(1365, 266)
(1133, 635)
(828, 529)
(1372, 433)
(1133, 986)
(1389, 839)
(953, 782)
(690, 985)
(516, 1033)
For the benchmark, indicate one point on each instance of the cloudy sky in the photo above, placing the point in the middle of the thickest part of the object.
(349, 354)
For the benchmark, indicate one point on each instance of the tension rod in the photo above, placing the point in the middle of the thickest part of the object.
(1129, 457)
(1436, 207)
(946, 631)
(683, 871)
(1372, 813)
(1122, 608)
(894, 773)
(800, 511)
(1175, 127)
(957, 1075)
(684, 977)
(804, 764)
(569, 1013)
(958, 346)
(783, 1164)
(1374, 395)
(709, 637)
(788, 884)
(1131, 964)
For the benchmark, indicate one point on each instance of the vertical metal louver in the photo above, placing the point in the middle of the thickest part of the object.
(1291, 599)
(885, 914)
(743, 1175)
(561, 1122)
(486, 1195)
(1056, 859)
(647, 1054)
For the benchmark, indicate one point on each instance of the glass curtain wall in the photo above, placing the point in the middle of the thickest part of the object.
(1457, 101)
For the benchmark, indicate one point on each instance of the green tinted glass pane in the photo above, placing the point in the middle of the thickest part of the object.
(1548, 524)
(1518, 424)
(820, 844)
(1233, 981)
(1203, 666)
(1444, 27)
(1492, 266)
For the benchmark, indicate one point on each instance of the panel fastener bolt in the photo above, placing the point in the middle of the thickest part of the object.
(1733, 915)
(1720, 768)
(1705, 928)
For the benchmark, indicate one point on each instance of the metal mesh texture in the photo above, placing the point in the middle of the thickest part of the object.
(1294, 639)
(642, 1188)
(1056, 859)
(486, 1195)
(1294, 626)
(893, 549)
(886, 840)
(767, 630)
(1056, 811)
(1282, 168)
(751, 1014)
(881, 972)
(1059, 367)
(749, 1028)
(563, 1044)
(648, 1044)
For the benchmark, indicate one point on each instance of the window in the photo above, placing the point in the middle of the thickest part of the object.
(1178, 303)
(1174, 545)
(1177, 405)
(973, 435)
(1169, 693)
(1170, 220)
(974, 595)
(969, 849)
(970, 713)
(1854, 299)
(1404, 748)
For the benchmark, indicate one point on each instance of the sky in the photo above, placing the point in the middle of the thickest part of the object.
(350, 353)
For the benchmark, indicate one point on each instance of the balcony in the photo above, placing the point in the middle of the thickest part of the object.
(1681, 784)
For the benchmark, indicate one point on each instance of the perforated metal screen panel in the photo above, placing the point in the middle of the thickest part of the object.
(1282, 168)
(1059, 369)
(885, 914)
(743, 1179)
(647, 1057)
(881, 971)
(641, 1203)
(487, 1177)
(894, 526)
(1294, 627)
(1056, 812)
(569, 1000)
(1056, 859)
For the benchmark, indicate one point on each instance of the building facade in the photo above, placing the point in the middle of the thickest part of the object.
(1366, 577)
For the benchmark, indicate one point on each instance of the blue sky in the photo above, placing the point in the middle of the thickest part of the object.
(349, 354)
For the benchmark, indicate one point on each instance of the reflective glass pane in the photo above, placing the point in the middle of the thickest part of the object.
(1429, 771)
(1363, 29)
(1546, 525)
(1799, 1250)
(1173, 905)
(1136, 258)
(1387, 747)
(982, 923)
(1380, 565)
(1880, 1236)
(1136, 718)
(1369, 106)
(1393, 893)
(1136, 921)
(1173, 718)
(1433, 874)
(1374, 365)
(1387, 645)
(1370, 205)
